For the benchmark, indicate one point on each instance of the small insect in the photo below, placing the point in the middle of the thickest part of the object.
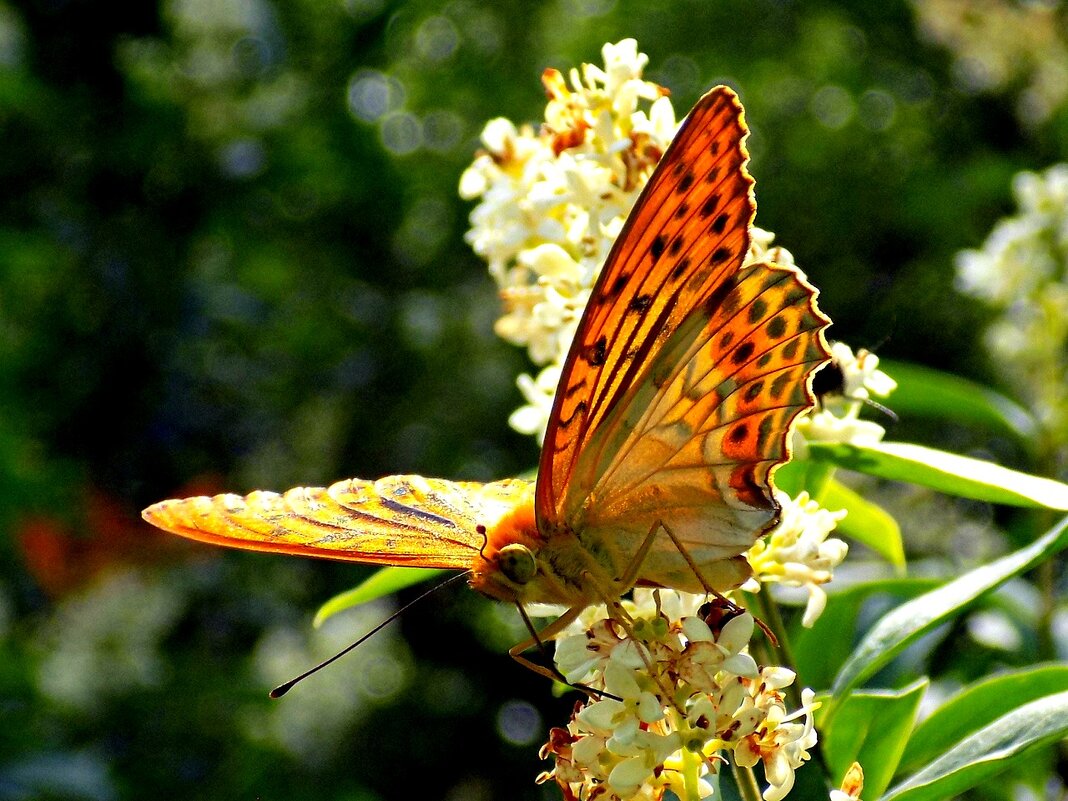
(673, 410)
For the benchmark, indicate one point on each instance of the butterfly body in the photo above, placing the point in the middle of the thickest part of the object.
(674, 407)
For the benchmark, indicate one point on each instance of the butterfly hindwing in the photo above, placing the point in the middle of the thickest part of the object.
(693, 445)
(397, 520)
(688, 229)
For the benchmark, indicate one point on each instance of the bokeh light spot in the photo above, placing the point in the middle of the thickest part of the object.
(442, 130)
(373, 95)
(362, 10)
(680, 74)
(402, 133)
(243, 158)
(877, 109)
(587, 8)
(436, 39)
(518, 722)
(833, 107)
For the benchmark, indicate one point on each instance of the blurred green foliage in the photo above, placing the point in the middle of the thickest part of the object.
(231, 257)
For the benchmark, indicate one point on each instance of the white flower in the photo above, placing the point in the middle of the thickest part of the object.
(797, 552)
(780, 743)
(843, 386)
(852, 784)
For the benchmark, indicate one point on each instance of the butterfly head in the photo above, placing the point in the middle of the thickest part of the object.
(506, 563)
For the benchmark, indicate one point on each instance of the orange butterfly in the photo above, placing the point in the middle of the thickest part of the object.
(674, 407)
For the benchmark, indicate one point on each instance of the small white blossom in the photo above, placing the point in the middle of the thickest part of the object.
(843, 387)
(798, 553)
(852, 785)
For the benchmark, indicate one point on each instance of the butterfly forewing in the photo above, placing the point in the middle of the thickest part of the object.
(397, 520)
(688, 230)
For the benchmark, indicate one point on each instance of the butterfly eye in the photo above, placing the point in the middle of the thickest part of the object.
(517, 563)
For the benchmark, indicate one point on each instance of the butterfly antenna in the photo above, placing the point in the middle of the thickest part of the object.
(282, 689)
(885, 410)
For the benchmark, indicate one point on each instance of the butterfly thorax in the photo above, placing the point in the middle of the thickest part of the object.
(521, 563)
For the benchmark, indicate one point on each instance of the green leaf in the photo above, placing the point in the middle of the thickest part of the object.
(977, 706)
(821, 650)
(945, 472)
(895, 630)
(987, 751)
(865, 522)
(383, 582)
(922, 391)
(872, 727)
(803, 474)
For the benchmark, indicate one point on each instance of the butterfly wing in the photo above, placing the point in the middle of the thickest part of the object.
(687, 231)
(665, 412)
(406, 521)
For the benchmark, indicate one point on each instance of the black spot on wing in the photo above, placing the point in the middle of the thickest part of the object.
(640, 303)
(720, 255)
(743, 353)
(617, 285)
(757, 309)
(776, 327)
(719, 295)
(657, 248)
(779, 385)
(595, 354)
(680, 269)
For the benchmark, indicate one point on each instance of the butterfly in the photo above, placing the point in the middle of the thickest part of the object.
(674, 407)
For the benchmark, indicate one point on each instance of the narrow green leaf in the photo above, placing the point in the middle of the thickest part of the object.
(803, 474)
(820, 651)
(977, 706)
(894, 631)
(987, 752)
(922, 391)
(945, 472)
(865, 522)
(872, 727)
(383, 582)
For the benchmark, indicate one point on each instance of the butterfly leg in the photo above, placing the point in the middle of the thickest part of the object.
(731, 607)
(539, 639)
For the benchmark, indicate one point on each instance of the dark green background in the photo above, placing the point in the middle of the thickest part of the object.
(214, 275)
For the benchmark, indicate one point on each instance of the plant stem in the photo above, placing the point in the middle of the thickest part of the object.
(746, 782)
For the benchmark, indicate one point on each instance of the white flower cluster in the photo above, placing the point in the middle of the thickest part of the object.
(998, 45)
(843, 387)
(797, 553)
(553, 201)
(1022, 270)
(681, 697)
